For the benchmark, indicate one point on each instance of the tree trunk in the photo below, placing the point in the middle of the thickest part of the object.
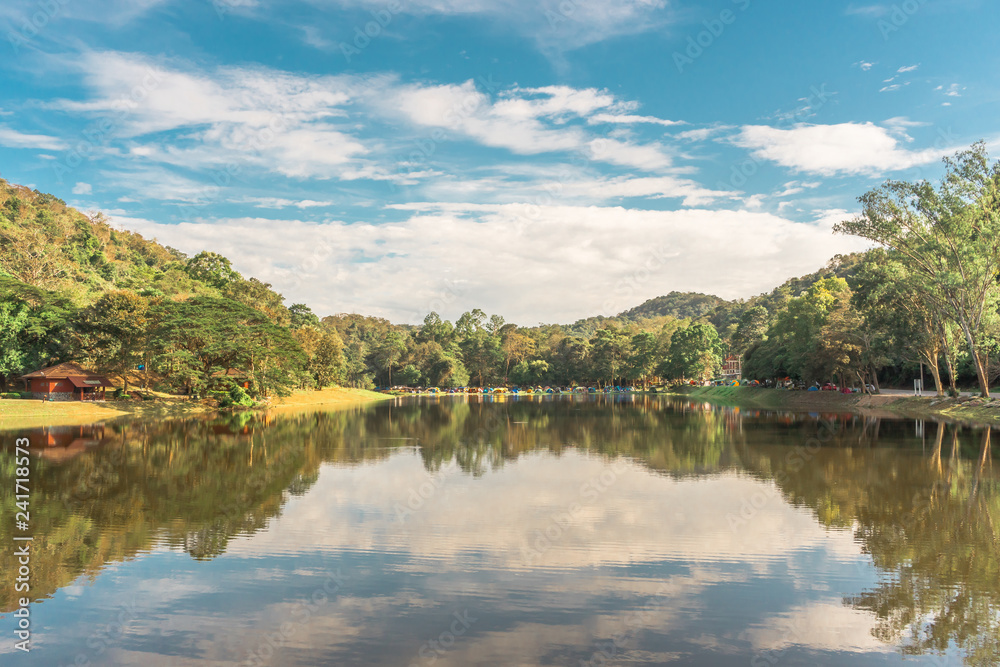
(932, 363)
(950, 366)
(984, 385)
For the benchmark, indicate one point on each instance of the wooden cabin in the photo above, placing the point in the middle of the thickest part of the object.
(66, 382)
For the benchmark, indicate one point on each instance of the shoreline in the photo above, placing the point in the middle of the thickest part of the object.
(17, 414)
(964, 409)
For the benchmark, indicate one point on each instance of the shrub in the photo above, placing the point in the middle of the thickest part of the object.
(954, 393)
(240, 397)
(11, 394)
(235, 397)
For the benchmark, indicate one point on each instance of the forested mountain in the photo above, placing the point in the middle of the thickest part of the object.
(73, 288)
(676, 304)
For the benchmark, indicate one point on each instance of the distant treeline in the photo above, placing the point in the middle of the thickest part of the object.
(71, 287)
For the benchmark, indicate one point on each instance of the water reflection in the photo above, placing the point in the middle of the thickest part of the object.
(571, 529)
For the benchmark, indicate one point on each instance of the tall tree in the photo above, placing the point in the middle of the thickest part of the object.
(695, 352)
(390, 351)
(612, 347)
(950, 237)
(114, 332)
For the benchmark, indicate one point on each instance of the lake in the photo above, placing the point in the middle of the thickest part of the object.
(576, 530)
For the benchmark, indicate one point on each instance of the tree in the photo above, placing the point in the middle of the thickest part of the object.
(695, 352)
(436, 330)
(516, 348)
(645, 351)
(889, 299)
(13, 356)
(198, 340)
(114, 332)
(390, 351)
(409, 376)
(611, 350)
(950, 237)
(750, 328)
(302, 315)
(482, 354)
(212, 269)
(259, 296)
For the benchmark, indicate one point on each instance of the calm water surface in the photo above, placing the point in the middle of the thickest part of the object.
(540, 531)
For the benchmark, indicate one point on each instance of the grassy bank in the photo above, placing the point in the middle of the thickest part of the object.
(20, 414)
(325, 398)
(964, 409)
(23, 414)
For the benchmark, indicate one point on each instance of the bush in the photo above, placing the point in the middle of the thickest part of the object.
(235, 397)
(954, 393)
(11, 394)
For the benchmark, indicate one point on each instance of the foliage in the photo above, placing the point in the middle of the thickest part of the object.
(950, 239)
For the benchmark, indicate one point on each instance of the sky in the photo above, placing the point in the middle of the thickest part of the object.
(545, 160)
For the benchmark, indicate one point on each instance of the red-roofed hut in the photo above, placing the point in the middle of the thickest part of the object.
(66, 382)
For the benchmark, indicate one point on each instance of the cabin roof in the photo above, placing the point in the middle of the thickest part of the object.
(65, 370)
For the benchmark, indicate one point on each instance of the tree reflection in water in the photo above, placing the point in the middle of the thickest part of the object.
(926, 509)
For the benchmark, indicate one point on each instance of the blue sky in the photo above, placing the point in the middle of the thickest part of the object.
(543, 160)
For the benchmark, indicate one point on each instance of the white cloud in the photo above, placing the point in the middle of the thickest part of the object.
(864, 65)
(703, 133)
(277, 202)
(326, 126)
(627, 118)
(907, 68)
(554, 25)
(448, 257)
(866, 10)
(272, 119)
(794, 188)
(13, 139)
(893, 87)
(952, 90)
(82, 189)
(516, 122)
(846, 148)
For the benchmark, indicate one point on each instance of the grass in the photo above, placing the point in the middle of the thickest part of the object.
(22, 414)
(331, 396)
(25, 414)
(972, 410)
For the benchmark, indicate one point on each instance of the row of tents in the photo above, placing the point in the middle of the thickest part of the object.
(508, 390)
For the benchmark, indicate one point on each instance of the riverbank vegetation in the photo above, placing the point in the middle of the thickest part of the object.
(73, 287)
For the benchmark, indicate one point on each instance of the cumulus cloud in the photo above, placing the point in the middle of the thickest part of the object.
(304, 126)
(846, 148)
(448, 257)
(82, 189)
